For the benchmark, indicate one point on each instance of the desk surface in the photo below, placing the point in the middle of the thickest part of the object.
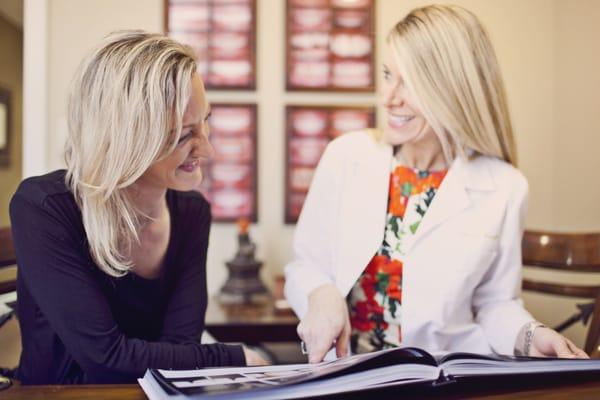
(584, 389)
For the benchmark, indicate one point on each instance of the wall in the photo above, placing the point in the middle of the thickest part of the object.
(577, 105)
(11, 78)
(576, 135)
(548, 70)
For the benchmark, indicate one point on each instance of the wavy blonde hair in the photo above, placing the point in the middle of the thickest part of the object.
(447, 61)
(125, 99)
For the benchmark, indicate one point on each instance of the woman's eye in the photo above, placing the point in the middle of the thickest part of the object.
(184, 137)
(386, 74)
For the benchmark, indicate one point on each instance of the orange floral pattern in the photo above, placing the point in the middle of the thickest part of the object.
(375, 301)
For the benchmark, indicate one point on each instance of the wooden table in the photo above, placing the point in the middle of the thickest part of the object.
(259, 324)
(582, 389)
(250, 324)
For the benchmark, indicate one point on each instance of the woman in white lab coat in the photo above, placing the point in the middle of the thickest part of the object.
(411, 235)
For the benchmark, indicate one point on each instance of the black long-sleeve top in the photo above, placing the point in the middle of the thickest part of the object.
(80, 325)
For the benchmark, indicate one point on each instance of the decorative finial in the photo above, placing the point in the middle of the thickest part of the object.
(243, 224)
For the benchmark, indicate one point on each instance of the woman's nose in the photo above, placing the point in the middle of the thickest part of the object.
(393, 94)
(393, 97)
(203, 148)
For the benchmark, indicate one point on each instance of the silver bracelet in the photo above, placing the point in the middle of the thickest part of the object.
(531, 327)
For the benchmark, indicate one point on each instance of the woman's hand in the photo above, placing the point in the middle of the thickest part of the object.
(547, 342)
(325, 324)
(253, 359)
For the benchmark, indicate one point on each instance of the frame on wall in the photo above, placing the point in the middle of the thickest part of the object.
(330, 45)
(223, 37)
(308, 131)
(5, 126)
(230, 177)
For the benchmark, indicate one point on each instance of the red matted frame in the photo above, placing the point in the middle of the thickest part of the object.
(308, 131)
(230, 178)
(330, 45)
(223, 36)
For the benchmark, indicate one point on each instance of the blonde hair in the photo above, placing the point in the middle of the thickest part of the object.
(449, 65)
(125, 99)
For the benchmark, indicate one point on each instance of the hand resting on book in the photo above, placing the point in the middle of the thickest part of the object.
(546, 342)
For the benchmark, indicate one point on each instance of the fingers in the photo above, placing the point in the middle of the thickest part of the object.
(318, 348)
(343, 341)
(576, 350)
(561, 348)
(565, 348)
(326, 323)
(317, 343)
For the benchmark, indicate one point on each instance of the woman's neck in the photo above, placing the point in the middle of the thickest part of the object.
(148, 254)
(424, 155)
(151, 201)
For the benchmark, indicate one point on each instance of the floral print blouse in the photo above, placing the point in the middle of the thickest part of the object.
(375, 301)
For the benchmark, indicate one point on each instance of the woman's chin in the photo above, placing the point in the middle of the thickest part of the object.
(186, 181)
(395, 137)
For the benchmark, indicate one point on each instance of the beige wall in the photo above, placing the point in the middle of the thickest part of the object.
(576, 136)
(551, 78)
(577, 105)
(11, 78)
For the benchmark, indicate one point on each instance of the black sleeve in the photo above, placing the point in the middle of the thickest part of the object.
(184, 318)
(54, 265)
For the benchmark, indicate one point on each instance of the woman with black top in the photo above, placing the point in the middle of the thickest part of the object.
(112, 251)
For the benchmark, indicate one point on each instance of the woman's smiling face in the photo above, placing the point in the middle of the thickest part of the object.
(405, 122)
(181, 170)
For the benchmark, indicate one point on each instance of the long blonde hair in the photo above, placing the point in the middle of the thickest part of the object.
(125, 99)
(448, 63)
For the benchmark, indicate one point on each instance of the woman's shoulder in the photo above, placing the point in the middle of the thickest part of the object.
(38, 189)
(506, 177)
(47, 201)
(369, 137)
(356, 142)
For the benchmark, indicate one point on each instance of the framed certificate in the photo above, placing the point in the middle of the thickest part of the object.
(230, 178)
(223, 36)
(308, 131)
(330, 45)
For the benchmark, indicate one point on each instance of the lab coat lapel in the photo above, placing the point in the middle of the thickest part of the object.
(450, 199)
(365, 199)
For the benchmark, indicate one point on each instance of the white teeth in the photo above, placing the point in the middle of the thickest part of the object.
(190, 164)
(400, 118)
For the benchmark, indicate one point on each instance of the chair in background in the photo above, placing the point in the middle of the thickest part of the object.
(7, 259)
(569, 252)
(8, 283)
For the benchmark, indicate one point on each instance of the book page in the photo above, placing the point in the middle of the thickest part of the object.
(361, 371)
(464, 365)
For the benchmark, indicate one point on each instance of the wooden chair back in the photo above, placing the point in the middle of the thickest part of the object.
(571, 252)
(7, 258)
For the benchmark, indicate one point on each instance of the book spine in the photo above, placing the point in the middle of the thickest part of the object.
(443, 379)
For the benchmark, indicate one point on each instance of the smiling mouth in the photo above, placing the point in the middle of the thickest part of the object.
(398, 121)
(190, 166)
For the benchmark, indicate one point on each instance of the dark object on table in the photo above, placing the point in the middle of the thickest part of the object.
(4, 382)
(243, 284)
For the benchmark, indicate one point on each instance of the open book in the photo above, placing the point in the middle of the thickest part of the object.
(391, 367)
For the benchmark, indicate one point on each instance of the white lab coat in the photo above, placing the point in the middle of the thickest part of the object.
(462, 272)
